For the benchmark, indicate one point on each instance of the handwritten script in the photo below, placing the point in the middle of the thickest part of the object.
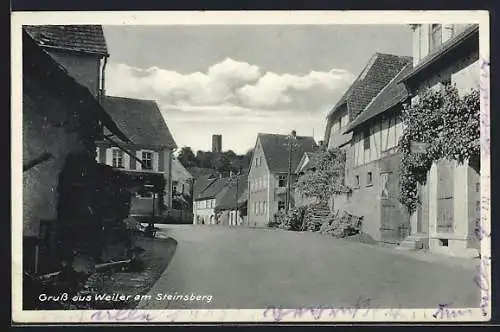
(121, 315)
(278, 313)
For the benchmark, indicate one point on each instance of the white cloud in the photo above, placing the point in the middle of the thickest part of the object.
(230, 83)
(234, 98)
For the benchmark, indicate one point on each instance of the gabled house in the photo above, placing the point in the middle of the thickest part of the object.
(148, 158)
(232, 205)
(208, 193)
(446, 219)
(379, 70)
(80, 49)
(374, 163)
(268, 176)
(361, 147)
(61, 121)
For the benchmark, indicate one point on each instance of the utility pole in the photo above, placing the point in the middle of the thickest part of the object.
(291, 138)
(236, 200)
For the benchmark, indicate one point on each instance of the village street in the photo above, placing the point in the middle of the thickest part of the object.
(258, 268)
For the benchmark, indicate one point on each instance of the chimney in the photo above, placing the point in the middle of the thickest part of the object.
(294, 133)
(321, 143)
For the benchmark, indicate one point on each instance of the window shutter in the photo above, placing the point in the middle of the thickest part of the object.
(126, 161)
(109, 156)
(156, 159)
(97, 154)
(138, 154)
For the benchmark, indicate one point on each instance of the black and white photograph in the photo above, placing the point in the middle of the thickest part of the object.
(250, 167)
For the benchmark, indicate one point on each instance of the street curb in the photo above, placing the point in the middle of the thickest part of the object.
(171, 253)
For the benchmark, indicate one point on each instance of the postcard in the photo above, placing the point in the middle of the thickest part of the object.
(250, 167)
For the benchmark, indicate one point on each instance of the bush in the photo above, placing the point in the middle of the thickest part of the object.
(291, 221)
(347, 225)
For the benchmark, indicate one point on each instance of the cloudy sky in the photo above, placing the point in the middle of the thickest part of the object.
(241, 80)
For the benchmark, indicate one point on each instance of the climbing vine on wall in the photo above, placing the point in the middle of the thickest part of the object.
(449, 124)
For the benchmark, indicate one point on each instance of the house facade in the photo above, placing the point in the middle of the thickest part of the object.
(232, 205)
(61, 121)
(209, 192)
(365, 146)
(268, 174)
(374, 162)
(446, 219)
(148, 157)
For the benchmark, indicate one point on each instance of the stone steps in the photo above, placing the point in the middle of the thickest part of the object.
(412, 242)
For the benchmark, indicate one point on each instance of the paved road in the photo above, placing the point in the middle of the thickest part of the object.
(257, 268)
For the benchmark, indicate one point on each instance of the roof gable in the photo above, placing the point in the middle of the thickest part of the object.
(275, 149)
(380, 69)
(80, 38)
(213, 189)
(391, 95)
(233, 195)
(141, 120)
(201, 184)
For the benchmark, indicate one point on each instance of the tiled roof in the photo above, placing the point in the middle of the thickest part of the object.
(228, 200)
(379, 71)
(391, 95)
(201, 184)
(39, 66)
(469, 36)
(141, 120)
(213, 189)
(276, 150)
(80, 38)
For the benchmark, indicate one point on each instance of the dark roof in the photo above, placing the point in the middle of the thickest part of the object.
(81, 38)
(230, 197)
(391, 95)
(276, 150)
(213, 189)
(469, 39)
(141, 120)
(380, 69)
(40, 66)
(201, 183)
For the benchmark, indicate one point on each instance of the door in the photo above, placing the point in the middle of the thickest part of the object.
(395, 223)
(445, 171)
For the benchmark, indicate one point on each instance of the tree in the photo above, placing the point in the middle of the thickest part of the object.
(325, 175)
(187, 157)
(221, 163)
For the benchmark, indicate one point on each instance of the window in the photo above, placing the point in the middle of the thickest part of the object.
(264, 207)
(369, 179)
(478, 187)
(147, 160)
(145, 194)
(117, 158)
(282, 181)
(478, 206)
(258, 208)
(366, 139)
(356, 181)
(436, 36)
(281, 205)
